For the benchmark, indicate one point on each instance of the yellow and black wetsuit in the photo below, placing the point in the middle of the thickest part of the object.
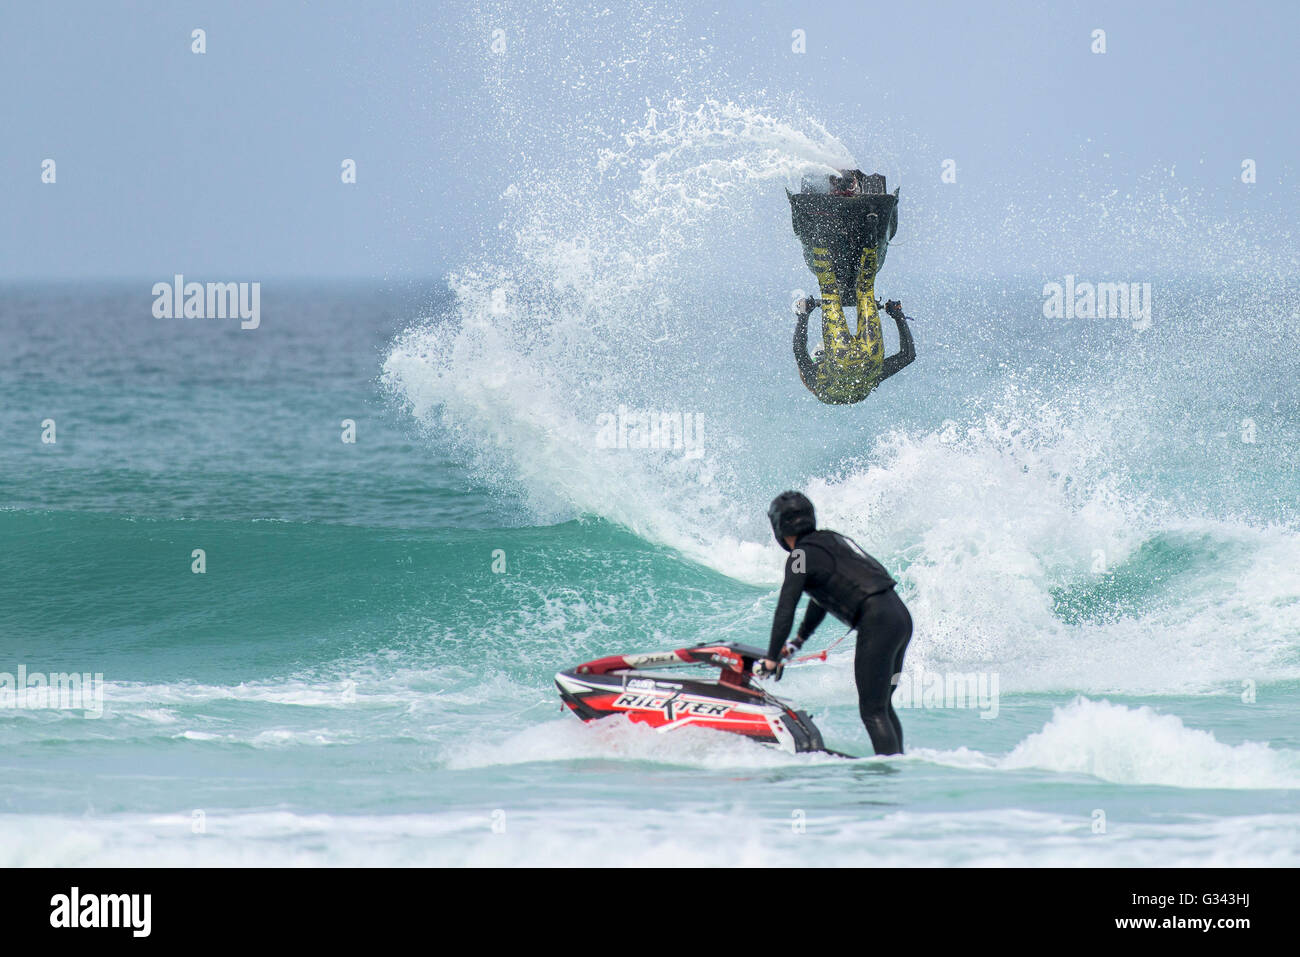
(850, 365)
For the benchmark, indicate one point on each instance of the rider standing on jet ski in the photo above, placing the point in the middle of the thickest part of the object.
(845, 223)
(842, 579)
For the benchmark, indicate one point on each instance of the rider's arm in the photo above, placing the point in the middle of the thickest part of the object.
(906, 349)
(812, 617)
(807, 368)
(788, 603)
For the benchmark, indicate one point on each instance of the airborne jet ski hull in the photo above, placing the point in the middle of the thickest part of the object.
(616, 686)
(835, 228)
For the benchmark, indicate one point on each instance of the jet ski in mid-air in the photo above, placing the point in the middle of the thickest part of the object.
(844, 222)
(619, 685)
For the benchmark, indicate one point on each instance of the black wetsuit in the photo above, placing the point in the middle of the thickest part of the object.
(842, 579)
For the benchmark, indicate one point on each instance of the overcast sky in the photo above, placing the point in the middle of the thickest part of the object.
(227, 164)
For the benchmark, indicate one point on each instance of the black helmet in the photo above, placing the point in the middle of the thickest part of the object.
(791, 514)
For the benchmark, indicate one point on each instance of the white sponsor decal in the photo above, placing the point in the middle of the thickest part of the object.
(671, 705)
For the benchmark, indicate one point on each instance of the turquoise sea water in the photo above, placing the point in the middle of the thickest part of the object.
(1073, 508)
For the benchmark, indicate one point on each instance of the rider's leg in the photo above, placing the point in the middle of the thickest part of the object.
(869, 333)
(836, 338)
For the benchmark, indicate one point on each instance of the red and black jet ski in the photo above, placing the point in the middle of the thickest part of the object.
(618, 685)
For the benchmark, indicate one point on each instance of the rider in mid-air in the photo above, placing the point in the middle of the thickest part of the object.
(845, 223)
(854, 366)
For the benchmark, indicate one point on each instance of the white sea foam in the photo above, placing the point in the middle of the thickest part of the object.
(568, 739)
(1136, 746)
(594, 834)
(990, 524)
